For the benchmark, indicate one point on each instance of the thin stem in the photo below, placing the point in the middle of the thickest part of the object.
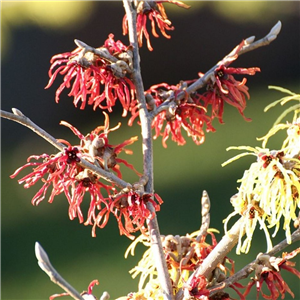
(248, 269)
(19, 117)
(46, 266)
(156, 245)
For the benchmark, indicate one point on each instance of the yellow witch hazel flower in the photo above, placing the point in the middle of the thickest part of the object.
(269, 190)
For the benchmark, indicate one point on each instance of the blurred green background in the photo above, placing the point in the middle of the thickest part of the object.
(32, 32)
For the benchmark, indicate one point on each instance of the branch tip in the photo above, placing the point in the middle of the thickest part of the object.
(41, 254)
(205, 207)
(205, 202)
(17, 112)
(80, 44)
(45, 265)
(105, 296)
(250, 40)
(275, 29)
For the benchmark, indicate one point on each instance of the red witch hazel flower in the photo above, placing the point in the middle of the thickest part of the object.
(196, 289)
(225, 88)
(95, 147)
(267, 270)
(181, 114)
(97, 75)
(132, 206)
(64, 173)
(155, 11)
(59, 169)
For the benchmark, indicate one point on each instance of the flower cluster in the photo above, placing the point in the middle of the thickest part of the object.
(223, 87)
(98, 76)
(227, 89)
(58, 168)
(174, 109)
(180, 114)
(132, 206)
(155, 11)
(269, 191)
(270, 188)
(65, 173)
(109, 67)
(183, 254)
(267, 270)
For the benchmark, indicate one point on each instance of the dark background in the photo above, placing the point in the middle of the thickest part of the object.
(203, 35)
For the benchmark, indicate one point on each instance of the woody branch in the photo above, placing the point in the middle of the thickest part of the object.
(249, 45)
(145, 119)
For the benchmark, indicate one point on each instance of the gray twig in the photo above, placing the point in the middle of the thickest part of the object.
(46, 266)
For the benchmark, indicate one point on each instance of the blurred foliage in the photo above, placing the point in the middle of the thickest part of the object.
(255, 11)
(65, 16)
(52, 15)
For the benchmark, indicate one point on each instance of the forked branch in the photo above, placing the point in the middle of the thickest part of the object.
(19, 117)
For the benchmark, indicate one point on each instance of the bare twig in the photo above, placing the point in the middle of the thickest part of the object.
(248, 269)
(145, 119)
(201, 82)
(19, 117)
(205, 207)
(265, 41)
(46, 266)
